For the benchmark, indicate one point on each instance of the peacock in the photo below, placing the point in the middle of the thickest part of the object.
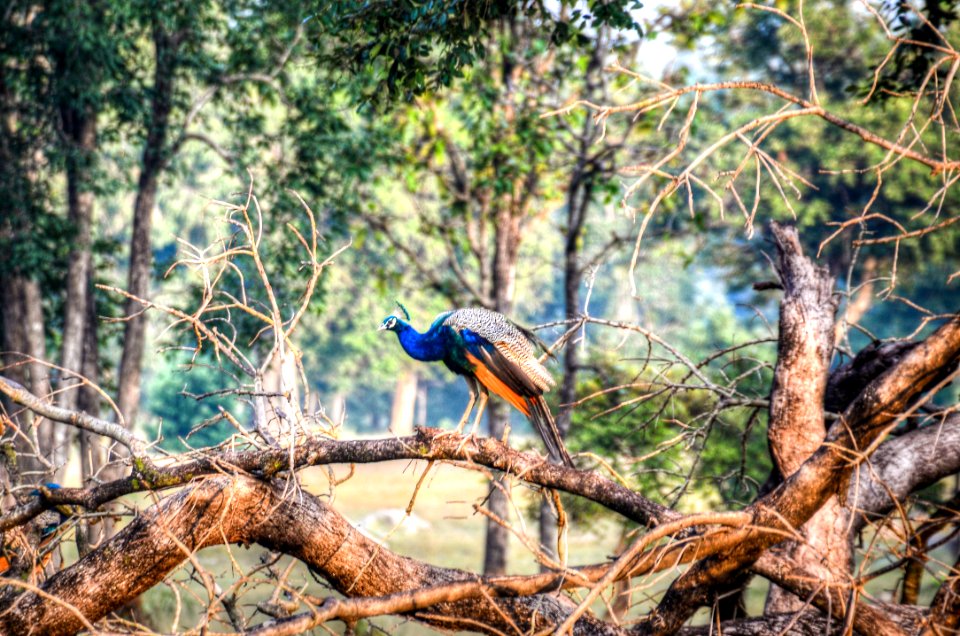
(492, 354)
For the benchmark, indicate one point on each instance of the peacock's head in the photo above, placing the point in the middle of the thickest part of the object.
(390, 323)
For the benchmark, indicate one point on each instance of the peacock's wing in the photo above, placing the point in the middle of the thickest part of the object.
(439, 320)
(502, 357)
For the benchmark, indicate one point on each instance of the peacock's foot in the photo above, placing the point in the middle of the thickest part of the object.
(472, 438)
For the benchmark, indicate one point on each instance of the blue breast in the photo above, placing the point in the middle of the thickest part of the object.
(428, 347)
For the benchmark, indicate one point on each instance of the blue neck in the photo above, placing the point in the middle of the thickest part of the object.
(428, 347)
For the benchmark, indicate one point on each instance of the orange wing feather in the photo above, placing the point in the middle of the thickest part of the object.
(495, 384)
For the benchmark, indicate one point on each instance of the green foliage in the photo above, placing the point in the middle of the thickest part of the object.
(169, 390)
(924, 24)
(665, 444)
(414, 47)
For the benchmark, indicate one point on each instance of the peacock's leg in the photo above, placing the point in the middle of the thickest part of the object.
(474, 392)
(481, 403)
(484, 396)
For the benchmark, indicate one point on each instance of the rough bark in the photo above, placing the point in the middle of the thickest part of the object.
(796, 424)
(804, 350)
(243, 510)
(902, 465)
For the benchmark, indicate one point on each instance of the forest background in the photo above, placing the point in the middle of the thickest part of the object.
(455, 176)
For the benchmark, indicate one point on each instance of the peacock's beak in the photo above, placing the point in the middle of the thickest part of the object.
(381, 327)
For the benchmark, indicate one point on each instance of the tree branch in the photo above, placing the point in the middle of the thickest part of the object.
(804, 350)
(116, 432)
(903, 465)
(426, 444)
(244, 510)
(882, 405)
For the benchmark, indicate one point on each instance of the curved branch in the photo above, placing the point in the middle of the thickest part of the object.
(903, 465)
(117, 433)
(244, 510)
(426, 444)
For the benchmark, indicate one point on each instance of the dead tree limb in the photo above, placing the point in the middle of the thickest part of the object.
(244, 510)
(882, 405)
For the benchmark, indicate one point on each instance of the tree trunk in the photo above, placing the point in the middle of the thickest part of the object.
(404, 401)
(498, 415)
(138, 284)
(36, 344)
(25, 464)
(36, 347)
(91, 451)
(797, 426)
(22, 311)
(138, 280)
(80, 129)
(579, 198)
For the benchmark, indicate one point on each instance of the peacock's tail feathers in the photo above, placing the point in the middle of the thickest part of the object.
(542, 419)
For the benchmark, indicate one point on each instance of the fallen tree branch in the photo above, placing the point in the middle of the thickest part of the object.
(244, 510)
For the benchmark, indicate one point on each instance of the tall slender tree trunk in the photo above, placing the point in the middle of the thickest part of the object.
(36, 343)
(22, 311)
(579, 196)
(498, 414)
(90, 449)
(14, 340)
(35, 346)
(404, 402)
(138, 280)
(80, 129)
